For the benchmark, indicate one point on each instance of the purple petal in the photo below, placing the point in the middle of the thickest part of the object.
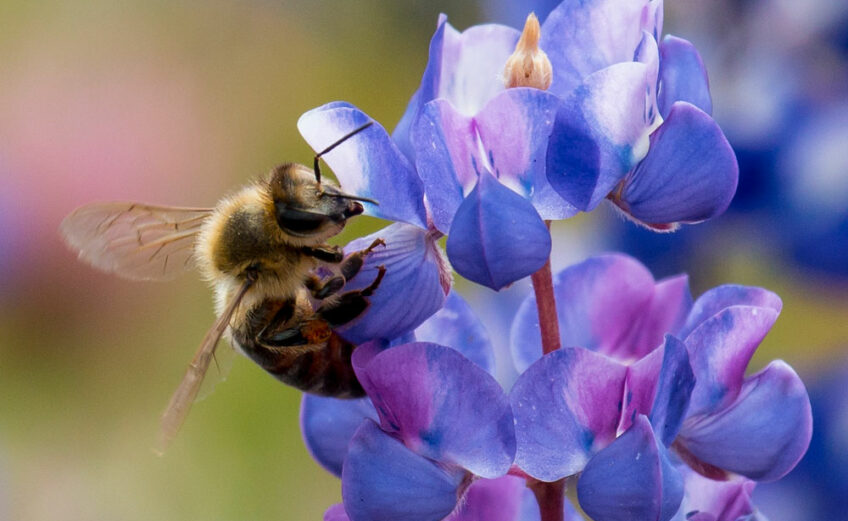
(599, 135)
(514, 128)
(683, 76)
(464, 69)
(383, 480)
(497, 237)
(668, 310)
(328, 424)
(566, 407)
(719, 351)
(689, 174)
(414, 266)
(584, 37)
(367, 164)
(599, 304)
(336, 513)
(762, 434)
(714, 500)
(442, 406)
(491, 499)
(721, 297)
(456, 326)
(640, 387)
(631, 479)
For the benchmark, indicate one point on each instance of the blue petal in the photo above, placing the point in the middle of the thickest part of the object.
(683, 76)
(566, 407)
(497, 237)
(383, 480)
(514, 128)
(414, 266)
(674, 387)
(719, 351)
(456, 326)
(714, 500)
(442, 406)
(721, 297)
(328, 424)
(631, 479)
(447, 157)
(763, 434)
(367, 164)
(689, 175)
(599, 135)
(584, 37)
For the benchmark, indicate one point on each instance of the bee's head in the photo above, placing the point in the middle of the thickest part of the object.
(307, 209)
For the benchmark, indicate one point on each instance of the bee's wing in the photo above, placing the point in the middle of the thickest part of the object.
(222, 364)
(180, 404)
(136, 241)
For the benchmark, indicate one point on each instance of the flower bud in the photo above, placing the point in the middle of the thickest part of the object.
(528, 66)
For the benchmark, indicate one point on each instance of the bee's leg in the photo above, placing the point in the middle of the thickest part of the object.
(323, 288)
(325, 252)
(351, 264)
(350, 304)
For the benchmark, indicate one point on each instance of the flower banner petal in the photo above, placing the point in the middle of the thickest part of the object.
(463, 68)
(514, 128)
(497, 237)
(763, 434)
(414, 266)
(599, 303)
(683, 76)
(566, 407)
(599, 135)
(442, 406)
(456, 326)
(631, 479)
(382, 480)
(583, 37)
(367, 164)
(719, 351)
(328, 424)
(668, 310)
(689, 175)
(491, 499)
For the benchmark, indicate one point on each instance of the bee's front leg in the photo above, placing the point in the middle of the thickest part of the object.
(348, 268)
(350, 304)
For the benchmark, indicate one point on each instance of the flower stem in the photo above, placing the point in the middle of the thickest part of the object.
(551, 498)
(543, 286)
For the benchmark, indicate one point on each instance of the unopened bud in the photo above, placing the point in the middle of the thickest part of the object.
(528, 66)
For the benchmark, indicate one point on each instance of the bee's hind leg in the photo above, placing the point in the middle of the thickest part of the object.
(350, 304)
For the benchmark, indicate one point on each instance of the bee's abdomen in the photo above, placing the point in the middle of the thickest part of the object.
(302, 352)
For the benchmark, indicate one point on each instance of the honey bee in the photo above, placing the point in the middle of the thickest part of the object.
(261, 250)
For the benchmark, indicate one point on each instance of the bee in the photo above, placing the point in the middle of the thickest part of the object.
(277, 283)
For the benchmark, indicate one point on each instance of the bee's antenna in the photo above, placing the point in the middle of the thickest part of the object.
(351, 197)
(334, 145)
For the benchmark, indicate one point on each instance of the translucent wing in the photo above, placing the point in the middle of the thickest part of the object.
(182, 399)
(222, 363)
(133, 240)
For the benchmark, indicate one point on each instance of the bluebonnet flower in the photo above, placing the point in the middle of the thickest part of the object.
(487, 157)
(626, 393)
(434, 425)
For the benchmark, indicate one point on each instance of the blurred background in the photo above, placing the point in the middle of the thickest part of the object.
(181, 102)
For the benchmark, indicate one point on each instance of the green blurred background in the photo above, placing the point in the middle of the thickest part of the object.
(179, 103)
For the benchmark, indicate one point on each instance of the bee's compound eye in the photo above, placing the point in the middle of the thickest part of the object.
(298, 221)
